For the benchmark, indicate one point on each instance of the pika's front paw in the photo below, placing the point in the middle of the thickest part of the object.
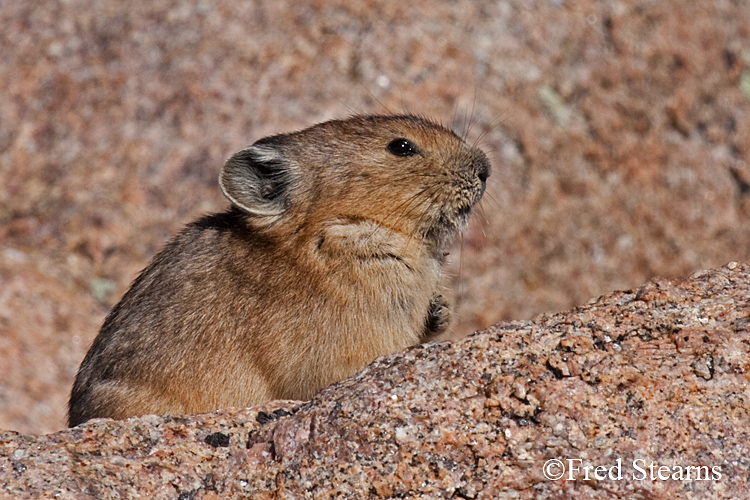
(437, 319)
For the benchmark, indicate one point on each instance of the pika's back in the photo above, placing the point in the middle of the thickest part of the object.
(331, 256)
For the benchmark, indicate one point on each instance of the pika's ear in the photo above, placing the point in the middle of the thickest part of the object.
(259, 181)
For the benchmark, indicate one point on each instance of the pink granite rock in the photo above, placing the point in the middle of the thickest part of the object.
(619, 134)
(639, 394)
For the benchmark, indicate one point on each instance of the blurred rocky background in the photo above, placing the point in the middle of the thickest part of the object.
(619, 134)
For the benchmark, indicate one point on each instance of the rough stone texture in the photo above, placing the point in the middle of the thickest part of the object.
(619, 132)
(658, 374)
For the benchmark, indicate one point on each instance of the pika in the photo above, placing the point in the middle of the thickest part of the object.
(331, 255)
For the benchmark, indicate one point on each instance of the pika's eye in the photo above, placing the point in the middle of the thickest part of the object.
(402, 147)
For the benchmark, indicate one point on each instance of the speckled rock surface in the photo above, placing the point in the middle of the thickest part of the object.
(650, 385)
(619, 133)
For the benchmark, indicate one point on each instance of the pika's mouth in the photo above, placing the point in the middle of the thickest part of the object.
(446, 225)
(464, 212)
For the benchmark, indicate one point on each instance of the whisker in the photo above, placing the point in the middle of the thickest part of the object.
(352, 109)
(479, 211)
(430, 200)
(455, 114)
(466, 125)
(409, 175)
(488, 196)
(409, 209)
(460, 270)
(407, 202)
(473, 119)
(424, 201)
(490, 127)
(376, 99)
(414, 233)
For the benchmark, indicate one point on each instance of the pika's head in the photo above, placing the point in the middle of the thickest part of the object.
(404, 174)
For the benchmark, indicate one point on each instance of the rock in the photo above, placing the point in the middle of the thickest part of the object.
(619, 133)
(650, 385)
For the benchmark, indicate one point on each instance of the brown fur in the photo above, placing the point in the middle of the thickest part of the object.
(331, 256)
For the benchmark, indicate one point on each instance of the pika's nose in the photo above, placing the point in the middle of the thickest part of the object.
(482, 168)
